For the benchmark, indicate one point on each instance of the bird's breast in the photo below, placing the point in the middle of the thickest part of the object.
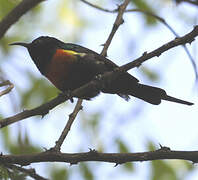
(58, 70)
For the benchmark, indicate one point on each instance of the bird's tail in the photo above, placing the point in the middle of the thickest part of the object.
(154, 95)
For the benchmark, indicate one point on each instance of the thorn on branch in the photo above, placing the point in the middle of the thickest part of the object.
(158, 54)
(118, 23)
(116, 164)
(44, 113)
(119, 7)
(73, 163)
(194, 162)
(164, 148)
(176, 38)
(190, 42)
(122, 21)
(92, 151)
(144, 53)
(71, 100)
(45, 149)
(53, 149)
(138, 64)
(81, 108)
(23, 110)
(71, 116)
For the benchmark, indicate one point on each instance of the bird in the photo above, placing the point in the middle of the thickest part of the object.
(69, 66)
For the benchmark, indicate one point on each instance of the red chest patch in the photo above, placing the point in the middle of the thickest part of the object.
(59, 68)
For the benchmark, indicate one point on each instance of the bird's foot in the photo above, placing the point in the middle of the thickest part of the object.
(68, 94)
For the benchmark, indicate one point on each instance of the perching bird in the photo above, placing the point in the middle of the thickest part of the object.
(69, 66)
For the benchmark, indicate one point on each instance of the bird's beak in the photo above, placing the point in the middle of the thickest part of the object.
(21, 44)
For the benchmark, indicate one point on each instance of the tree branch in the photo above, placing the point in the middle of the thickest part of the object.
(163, 21)
(119, 20)
(66, 130)
(9, 88)
(92, 155)
(43, 109)
(78, 106)
(98, 7)
(16, 13)
(29, 172)
(188, 1)
(188, 38)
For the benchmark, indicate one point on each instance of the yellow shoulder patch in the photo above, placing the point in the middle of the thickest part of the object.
(74, 53)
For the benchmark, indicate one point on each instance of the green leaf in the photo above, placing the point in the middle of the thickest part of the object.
(59, 173)
(95, 120)
(162, 171)
(3, 173)
(92, 121)
(86, 171)
(23, 146)
(124, 149)
(188, 165)
(150, 74)
(6, 6)
(5, 41)
(121, 146)
(151, 146)
(6, 136)
(7, 173)
(40, 92)
(143, 5)
(128, 166)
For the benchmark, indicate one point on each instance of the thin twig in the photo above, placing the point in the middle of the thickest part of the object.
(72, 117)
(188, 1)
(174, 32)
(98, 7)
(119, 20)
(44, 109)
(78, 106)
(148, 13)
(29, 172)
(16, 13)
(188, 38)
(9, 88)
(93, 155)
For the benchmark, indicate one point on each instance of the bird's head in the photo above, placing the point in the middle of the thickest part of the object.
(41, 50)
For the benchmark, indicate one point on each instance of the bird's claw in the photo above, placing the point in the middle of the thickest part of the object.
(68, 94)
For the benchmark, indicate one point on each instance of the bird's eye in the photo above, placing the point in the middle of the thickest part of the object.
(37, 42)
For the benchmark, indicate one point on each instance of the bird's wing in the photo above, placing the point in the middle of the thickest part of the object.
(109, 64)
